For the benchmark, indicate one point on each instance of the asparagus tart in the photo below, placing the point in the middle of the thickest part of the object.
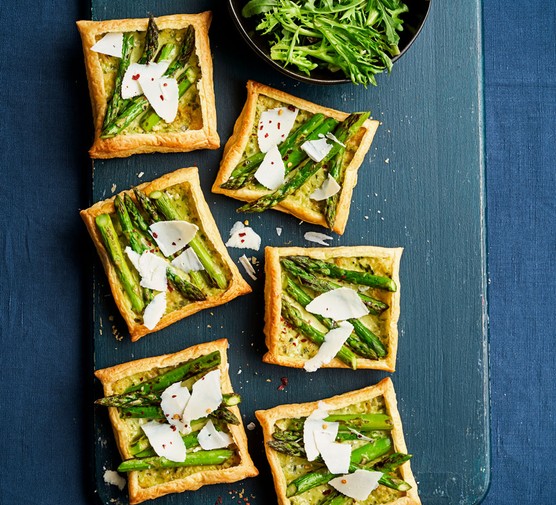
(332, 307)
(151, 86)
(176, 421)
(294, 156)
(162, 252)
(348, 449)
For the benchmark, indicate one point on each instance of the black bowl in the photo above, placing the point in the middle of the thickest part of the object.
(414, 20)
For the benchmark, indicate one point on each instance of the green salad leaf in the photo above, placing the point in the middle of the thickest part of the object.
(355, 37)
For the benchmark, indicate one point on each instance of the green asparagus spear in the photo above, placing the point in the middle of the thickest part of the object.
(222, 414)
(351, 276)
(244, 172)
(135, 215)
(112, 244)
(322, 285)
(307, 169)
(142, 412)
(179, 373)
(147, 206)
(151, 41)
(199, 458)
(133, 399)
(185, 53)
(293, 317)
(185, 287)
(367, 422)
(335, 498)
(336, 171)
(167, 208)
(288, 447)
(116, 101)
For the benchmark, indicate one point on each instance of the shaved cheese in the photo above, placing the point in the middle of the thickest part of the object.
(114, 478)
(274, 126)
(165, 440)
(314, 422)
(271, 171)
(173, 402)
(137, 71)
(111, 44)
(188, 261)
(360, 436)
(319, 238)
(316, 149)
(333, 341)
(133, 257)
(357, 485)
(162, 94)
(278, 231)
(209, 438)
(336, 456)
(206, 396)
(151, 268)
(333, 138)
(154, 311)
(172, 236)
(243, 237)
(339, 304)
(244, 260)
(329, 188)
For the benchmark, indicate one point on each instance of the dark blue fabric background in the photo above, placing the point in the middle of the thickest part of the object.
(45, 354)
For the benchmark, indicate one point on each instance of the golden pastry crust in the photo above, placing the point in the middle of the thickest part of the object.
(273, 302)
(236, 286)
(125, 145)
(234, 148)
(385, 388)
(245, 468)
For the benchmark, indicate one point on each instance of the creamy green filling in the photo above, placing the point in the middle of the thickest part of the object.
(189, 116)
(294, 467)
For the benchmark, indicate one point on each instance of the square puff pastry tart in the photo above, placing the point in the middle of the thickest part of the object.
(288, 346)
(381, 399)
(195, 124)
(183, 187)
(244, 140)
(148, 484)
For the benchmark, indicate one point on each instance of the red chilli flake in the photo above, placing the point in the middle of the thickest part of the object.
(218, 501)
(136, 77)
(242, 234)
(266, 135)
(165, 84)
(155, 235)
(284, 381)
(162, 97)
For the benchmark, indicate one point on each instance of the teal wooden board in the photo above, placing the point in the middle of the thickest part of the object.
(420, 187)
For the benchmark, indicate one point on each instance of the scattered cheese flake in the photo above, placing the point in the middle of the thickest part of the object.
(206, 396)
(111, 44)
(248, 267)
(165, 440)
(316, 149)
(188, 261)
(152, 269)
(210, 438)
(357, 485)
(172, 236)
(319, 238)
(333, 138)
(274, 126)
(163, 95)
(336, 456)
(271, 171)
(243, 237)
(360, 436)
(173, 402)
(137, 71)
(114, 478)
(329, 188)
(278, 231)
(251, 426)
(315, 422)
(333, 341)
(339, 304)
(140, 174)
(154, 311)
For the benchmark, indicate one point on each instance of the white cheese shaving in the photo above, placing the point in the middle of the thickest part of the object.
(336, 456)
(210, 438)
(360, 436)
(278, 231)
(271, 171)
(154, 311)
(173, 402)
(206, 396)
(315, 422)
(316, 149)
(333, 137)
(244, 260)
(251, 426)
(333, 341)
(188, 261)
(151, 268)
(319, 238)
(339, 304)
(137, 71)
(274, 126)
(111, 44)
(114, 478)
(357, 485)
(243, 237)
(172, 236)
(162, 94)
(165, 440)
(329, 188)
